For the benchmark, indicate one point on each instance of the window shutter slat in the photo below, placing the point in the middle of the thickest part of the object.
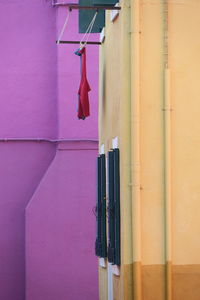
(103, 206)
(111, 208)
(98, 247)
(117, 205)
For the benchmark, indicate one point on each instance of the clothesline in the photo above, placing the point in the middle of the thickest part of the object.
(78, 42)
(84, 40)
(96, 7)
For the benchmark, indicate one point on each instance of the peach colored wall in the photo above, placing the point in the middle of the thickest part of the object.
(163, 127)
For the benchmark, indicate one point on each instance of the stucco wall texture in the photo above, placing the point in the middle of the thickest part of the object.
(157, 55)
(47, 227)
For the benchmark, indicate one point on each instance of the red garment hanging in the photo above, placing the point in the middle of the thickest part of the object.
(84, 88)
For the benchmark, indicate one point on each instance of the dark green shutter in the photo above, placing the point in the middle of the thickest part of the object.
(114, 207)
(111, 208)
(117, 206)
(101, 239)
(86, 15)
(103, 206)
(98, 210)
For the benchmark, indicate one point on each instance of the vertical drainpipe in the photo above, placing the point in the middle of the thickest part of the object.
(167, 186)
(167, 155)
(135, 147)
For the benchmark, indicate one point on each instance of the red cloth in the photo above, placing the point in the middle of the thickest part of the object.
(84, 88)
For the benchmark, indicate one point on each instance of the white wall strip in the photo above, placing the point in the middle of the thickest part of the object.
(114, 13)
(110, 282)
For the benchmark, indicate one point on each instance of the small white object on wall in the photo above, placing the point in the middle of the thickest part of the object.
(102, 149)
(115, 143)
(102, 35)
(114, 13)
(116, 270)
(102, 262)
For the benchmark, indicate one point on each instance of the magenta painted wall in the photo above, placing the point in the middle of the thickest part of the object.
(60, 236)
(27, 109)
(28, 75)
(22, 166)
(47, 194)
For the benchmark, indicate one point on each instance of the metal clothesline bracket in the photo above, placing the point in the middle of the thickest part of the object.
(96, 7)
(78, 42)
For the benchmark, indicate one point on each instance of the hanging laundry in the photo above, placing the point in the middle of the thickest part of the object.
(84, 88)
(84, 107)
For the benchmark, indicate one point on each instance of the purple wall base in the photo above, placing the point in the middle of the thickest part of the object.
(22, 167)
(60, 228)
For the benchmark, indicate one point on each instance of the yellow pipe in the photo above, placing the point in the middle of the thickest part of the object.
(135, 145)
(167, 156)
(168, 200)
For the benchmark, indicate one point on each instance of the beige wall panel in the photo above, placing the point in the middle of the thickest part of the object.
(153, 287)
(109, 83)
(102, 83)
(117, 288)
(103, 284)
(186, 282)
(123, 284)
(151, 132)
(184, 62)
(128, 281)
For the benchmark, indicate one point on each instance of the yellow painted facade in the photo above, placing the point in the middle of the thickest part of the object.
(150, 100)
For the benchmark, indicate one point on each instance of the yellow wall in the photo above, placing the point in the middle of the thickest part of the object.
(114, 121)
(150, 99)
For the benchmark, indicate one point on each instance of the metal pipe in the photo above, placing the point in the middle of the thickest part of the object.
(167, 187)
(46, 140)
(78, 42)
(167, 153)
(96, 7)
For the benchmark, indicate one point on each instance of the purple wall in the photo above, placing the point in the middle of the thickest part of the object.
(60, 229)
(27, 110)
(28, 69)
(22, 166)
(56, 187)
